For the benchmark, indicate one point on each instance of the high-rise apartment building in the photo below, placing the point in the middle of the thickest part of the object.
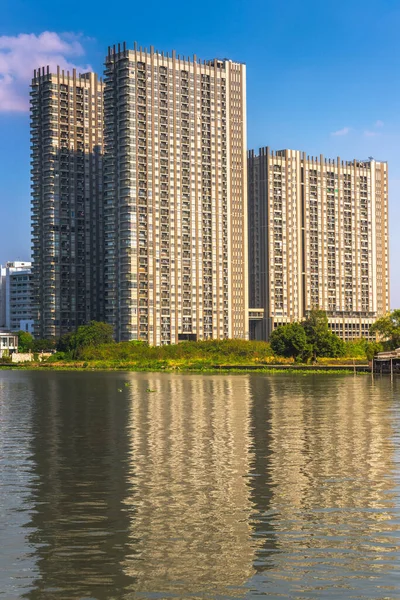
(16, 296)
(175, 197)
(66, 145)
(318, 238)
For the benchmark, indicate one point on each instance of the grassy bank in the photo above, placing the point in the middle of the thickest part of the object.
(209, 356)
(225, 369)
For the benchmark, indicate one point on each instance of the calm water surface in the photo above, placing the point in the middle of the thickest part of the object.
(206, 487)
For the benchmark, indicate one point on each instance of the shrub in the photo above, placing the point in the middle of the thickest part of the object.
(289, 340)
(58, 356)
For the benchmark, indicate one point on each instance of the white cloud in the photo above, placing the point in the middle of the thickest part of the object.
(21, 54)
(373, 132)
(343, 131)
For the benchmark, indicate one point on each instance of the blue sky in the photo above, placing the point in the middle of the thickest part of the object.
(321, 77)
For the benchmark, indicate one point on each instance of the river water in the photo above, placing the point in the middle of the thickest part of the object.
(117, 486)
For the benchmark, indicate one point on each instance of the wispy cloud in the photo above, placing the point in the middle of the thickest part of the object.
(343, 131)
(376, 131)
(21, 54)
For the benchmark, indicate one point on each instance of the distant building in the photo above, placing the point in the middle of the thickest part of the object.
(8, 343)
(67, 226)
(27, 325)
(16, 296)
(318, 238)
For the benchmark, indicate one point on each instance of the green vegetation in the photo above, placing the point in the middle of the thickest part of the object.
(26, 343)
(70, 344)
(92, 347)
(290, 340)
(92, 335)
(388, 328)
(186, 355)
(207, 355)
(362, 348)
(321, 340)
(310, 338)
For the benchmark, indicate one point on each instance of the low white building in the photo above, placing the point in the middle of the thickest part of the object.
(16, 296)
(8, 343)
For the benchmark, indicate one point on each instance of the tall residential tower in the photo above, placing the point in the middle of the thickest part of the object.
(175, 197)
(66, 144)
(318, 238)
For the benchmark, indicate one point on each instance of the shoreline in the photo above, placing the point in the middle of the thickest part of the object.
(344, 369)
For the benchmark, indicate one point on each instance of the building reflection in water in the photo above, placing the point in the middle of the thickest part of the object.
(210, 487)
(325, 490)
(78, 527)
(190, 532)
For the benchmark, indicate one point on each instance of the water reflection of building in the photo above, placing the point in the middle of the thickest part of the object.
(79, 526)
(259, 478)
(189, 455)
(329, 501)
(208, 486)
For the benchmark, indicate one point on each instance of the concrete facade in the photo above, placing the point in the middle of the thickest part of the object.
(175, 197)
(318, 238)
(16, 296)
(67, 227)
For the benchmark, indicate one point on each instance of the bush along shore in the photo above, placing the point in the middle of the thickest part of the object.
(311, 350)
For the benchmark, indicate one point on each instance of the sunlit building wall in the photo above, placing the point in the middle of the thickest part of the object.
(318, 238)
(175, 197)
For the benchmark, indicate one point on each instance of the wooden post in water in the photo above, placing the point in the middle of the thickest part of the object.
(391, 368)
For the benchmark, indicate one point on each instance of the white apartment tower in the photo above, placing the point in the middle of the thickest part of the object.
(175, 197)
(318, 238)
(16, 296)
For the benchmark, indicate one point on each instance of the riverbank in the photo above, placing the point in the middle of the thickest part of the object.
(188, 368)
(210, 356)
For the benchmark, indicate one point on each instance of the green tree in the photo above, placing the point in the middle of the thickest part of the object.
(289, 340)
(371, 349)
(25, 341)
(320, 337)
(362, 348)
(332, 346)
(388, 328)
(66, 343)
(43, 345)
(95, 333)
(356, 348)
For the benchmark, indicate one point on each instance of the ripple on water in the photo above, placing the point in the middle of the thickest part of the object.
(209, 487)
